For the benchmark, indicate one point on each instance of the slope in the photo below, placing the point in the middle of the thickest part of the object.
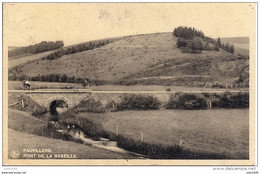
(127, 56)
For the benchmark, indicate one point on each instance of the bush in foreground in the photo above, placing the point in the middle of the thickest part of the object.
(241, 100)
(186, 101)
(138, 102)
(90, 105)
(38, 111)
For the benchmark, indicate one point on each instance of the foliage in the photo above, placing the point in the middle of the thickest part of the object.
(38, 111)
(195, 44)
(90, 105)
(186, 38)
(181, 42)
(138, 102)
(36, 48)
(241, 100)
(186, 101)
(89, 127)
(168, 89)
(75, 49)
(16, 74)
(187, 33)
(50, 131)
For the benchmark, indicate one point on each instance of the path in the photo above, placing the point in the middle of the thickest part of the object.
(125, 92)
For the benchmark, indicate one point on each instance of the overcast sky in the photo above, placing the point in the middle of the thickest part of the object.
(26, 23)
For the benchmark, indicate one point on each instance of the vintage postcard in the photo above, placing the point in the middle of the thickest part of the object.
(129, 83)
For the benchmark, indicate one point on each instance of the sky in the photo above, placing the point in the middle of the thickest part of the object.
(30, 23)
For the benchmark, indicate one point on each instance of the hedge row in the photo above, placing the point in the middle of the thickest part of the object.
(185, 101)
(176, 101)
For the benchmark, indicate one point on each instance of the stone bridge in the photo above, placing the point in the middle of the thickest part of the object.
(74, 97)
(45, 98)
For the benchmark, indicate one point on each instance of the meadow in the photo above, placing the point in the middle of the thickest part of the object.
(223, 131)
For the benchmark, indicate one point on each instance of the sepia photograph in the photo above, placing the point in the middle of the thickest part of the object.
(129, 83)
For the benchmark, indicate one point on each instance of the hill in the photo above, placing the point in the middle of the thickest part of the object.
(143, 56)
(25, 58)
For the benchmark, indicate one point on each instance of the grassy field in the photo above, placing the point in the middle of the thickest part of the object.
(19, 141)
(23, 121)
(21, 124)
(18, 60)
(220, 131)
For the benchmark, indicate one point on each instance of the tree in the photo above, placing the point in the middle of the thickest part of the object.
(219, 43)
(64, 78)
(232, 50)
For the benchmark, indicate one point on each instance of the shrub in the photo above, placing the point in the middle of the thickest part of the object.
(50, 131)
(187, 102)
(89, 127)
(138, 102)
(181, 42)
(232, 101)
(195, 44)
(90, 106)
(38, 111)
(218, 85)
(168, 89)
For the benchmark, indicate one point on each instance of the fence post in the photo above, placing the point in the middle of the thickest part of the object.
(142, 137)
(116, 129)
(22, 104)
(209, 104)
(180, 143)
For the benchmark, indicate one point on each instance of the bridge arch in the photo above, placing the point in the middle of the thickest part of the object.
(69, 103)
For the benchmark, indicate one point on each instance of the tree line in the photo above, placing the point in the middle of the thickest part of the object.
(186, 38)
(228, 47)
(16, 76)
(187, 33)
(75, 49)
(36, 48)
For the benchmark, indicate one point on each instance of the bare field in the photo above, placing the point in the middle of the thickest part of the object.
(220, 131)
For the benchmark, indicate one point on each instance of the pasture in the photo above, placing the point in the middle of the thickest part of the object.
(223, 131)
